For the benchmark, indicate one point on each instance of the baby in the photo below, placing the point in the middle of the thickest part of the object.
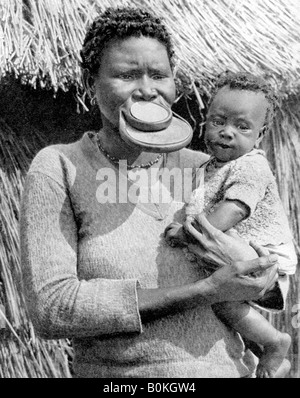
(239, 191)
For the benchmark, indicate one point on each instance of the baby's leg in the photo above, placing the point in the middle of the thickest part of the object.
(255, 327)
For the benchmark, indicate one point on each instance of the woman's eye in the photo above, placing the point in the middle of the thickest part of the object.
(157, 77)
(127, 76)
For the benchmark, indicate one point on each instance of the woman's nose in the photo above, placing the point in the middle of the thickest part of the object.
(145, 90)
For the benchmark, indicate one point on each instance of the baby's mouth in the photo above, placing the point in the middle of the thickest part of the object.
(222, 145)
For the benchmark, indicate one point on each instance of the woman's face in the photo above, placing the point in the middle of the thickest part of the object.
(136, 67)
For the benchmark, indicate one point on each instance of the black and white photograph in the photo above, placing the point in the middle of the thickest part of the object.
(149, 192)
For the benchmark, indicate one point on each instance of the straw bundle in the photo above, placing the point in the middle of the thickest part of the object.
(22, 354)
(282, 147)
(40, 43)
(43, 38)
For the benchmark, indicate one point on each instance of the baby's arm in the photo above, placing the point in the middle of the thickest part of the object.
(228, 214)
(225, 216)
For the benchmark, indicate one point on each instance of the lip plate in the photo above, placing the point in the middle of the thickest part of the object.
(175, 136)
(143, 124)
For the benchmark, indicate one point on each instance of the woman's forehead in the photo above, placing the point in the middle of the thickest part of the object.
(134, 45)
(135, 51)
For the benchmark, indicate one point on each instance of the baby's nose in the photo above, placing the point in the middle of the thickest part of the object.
(227, 132)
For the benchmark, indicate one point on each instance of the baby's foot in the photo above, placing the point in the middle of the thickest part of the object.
(283, 369)
(273, 357)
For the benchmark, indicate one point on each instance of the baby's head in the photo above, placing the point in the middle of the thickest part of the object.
(240, 112)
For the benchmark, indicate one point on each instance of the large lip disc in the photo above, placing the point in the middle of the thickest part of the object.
(147, 116)
(177, 135)
(149, 112)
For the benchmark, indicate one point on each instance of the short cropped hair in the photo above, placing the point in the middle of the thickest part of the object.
(121, 23)
(249, 82)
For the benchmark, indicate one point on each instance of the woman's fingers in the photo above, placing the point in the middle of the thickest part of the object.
(228, 250)
(204, 231)
(260, 250)
(188, 226)
(264, 274)
(233, 234)
(171, 226)
(197, 249)
(206, 227)
(259, 264)
(263, 282)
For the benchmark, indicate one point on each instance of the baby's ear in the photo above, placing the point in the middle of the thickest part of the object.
(261, 135)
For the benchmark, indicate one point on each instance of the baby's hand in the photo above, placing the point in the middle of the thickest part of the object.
(175, 235)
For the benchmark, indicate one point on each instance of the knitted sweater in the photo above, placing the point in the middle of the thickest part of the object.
(82, 262)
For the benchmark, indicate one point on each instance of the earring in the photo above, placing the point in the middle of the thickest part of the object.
(93, 100)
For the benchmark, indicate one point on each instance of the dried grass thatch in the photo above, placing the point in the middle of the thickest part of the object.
(43, 38)
(40, 42)
(22, 354)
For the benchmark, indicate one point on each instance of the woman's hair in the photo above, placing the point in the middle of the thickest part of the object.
(247, 81)
(121, 23)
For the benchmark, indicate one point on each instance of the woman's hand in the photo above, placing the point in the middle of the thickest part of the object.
(215, 247)
(244, 272)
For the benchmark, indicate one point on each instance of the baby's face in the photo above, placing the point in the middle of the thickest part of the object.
(235, 123)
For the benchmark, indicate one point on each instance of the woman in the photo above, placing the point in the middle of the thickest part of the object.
(99, 271)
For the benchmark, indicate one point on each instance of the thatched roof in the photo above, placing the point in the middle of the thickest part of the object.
(43, 38)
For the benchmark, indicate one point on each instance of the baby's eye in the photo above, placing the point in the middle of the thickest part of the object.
(243, 127)
(217, 122)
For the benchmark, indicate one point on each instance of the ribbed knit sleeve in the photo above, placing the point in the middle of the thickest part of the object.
(61, 305)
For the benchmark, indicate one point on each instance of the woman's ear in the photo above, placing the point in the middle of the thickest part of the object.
(88, 83)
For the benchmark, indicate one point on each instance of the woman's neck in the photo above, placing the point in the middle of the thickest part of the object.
(116, 147)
